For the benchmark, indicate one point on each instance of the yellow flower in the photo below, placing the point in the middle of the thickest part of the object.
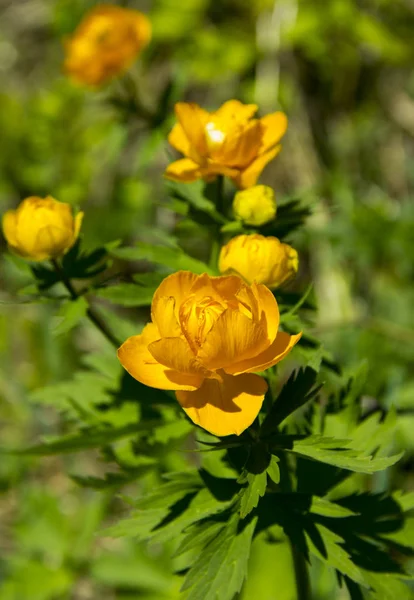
(41, 228)
(208, 337)
(226, 142)
(105, 44)
(255, 206)
(265, 260)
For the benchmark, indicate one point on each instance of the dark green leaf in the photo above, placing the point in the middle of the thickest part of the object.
(92, 438)
(298, 390)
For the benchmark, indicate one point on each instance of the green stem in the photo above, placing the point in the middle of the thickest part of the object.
(96, 320)
(220, 199)
(300, 568)
(303, 589)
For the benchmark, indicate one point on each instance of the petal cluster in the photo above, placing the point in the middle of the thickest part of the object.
(207, 339)
(228, 142)
(255, 206)
(105, 43)
(41, 228)
(265, 260)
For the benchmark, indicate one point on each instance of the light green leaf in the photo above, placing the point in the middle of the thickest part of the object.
(221, 567)
(70, 315)
(173, 258)
(387, 587)
(251, 494)
(198, 536)
(336, 556)
(323, 507)
(273, 469)
(126, 294)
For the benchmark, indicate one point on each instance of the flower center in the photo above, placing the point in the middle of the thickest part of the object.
(215, 136)
(197, 318)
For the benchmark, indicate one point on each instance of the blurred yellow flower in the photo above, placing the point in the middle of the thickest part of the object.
(105, 43)
(255, 206)
(265, 260)
(41, 228)
(227, 142)
(207, 338)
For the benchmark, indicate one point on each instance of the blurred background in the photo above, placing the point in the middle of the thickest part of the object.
(343, 72)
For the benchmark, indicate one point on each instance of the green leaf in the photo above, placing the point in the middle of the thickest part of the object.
(251, 494)
(297, 391)
(126, 294)
(387, 587)
(112, 480)
(321, 506)
(150, 510)
(221, 567)
(91, 438)
(334, 556)
(315, 448)
(70, 314)
(273, 469)
(173, 258)
(193, 193)
(199, 535)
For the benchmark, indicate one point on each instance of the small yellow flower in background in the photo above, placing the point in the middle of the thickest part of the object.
(105, 44)
(207, 338)
(227, 142)
(265, 260)
(255, 206)
(41, 228)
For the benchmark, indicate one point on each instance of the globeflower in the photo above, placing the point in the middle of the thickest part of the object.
(255, 206)
(207, 338)
(105, 44)
(265, 260)
(41, 228)
(227, 142)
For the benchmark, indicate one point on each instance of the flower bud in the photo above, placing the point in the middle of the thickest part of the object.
(255, 206)
(105, 44)
(41, 228)
(265, 260)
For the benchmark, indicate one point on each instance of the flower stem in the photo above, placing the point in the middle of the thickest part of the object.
(220, 199)
(96, 320)
(300, 568)
(303, 589)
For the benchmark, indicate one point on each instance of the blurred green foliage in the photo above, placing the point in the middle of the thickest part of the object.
(342, 71)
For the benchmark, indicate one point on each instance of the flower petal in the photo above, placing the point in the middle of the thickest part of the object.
(167, 300)
(179, 140)
(9, 227)
(185, 170)
(176, 354)
(282, 345)
(234, 337)
(193, 120)
(268, 309)
(250, 175)
(77, 225)
(234, 109)
(274, 128)
(139, 362)
(225, 407)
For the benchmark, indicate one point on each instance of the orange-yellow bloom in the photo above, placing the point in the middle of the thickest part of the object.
(41, 228)
(227, 142)
(256, 205)
(207, 338)
(265, 260)
(105, 44)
